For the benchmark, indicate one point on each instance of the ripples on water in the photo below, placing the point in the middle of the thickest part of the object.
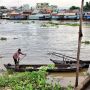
(37, 41)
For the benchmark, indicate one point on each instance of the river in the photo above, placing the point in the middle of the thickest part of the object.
(37, 40)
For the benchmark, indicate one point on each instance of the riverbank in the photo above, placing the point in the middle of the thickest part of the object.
(66, 79)
(29, 80)
(63, 79)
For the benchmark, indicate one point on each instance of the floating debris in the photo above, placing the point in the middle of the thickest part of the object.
(3, 38)
(15, 38)
(25, 22)
(86, 42)
(33, 21)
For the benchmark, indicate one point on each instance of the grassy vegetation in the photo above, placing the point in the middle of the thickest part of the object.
(24, 22)
(86, 42)
(71, 24)
(35, 80)
(68, 24)
(54, 24)
(50, 24)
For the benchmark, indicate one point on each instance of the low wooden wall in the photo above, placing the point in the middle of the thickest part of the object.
(84, 84)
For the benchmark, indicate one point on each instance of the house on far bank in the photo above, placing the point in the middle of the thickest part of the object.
(15, 15)
(0, 15)
(69, 14)
(86, 15)
(55, 16)
(40, 15)
(5, 16)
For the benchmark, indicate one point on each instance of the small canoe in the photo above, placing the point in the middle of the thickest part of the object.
(66, 59)
(36, 67)
(69, 61)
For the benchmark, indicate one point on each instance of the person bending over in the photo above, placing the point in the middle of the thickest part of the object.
(16, 57)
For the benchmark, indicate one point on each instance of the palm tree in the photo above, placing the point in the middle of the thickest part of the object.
(79, 43)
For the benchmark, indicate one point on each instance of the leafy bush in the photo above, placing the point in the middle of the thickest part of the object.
(35, 80)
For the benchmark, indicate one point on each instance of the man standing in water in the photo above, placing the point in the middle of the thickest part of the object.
(16, 57)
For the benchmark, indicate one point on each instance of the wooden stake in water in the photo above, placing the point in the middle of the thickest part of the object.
(79, 43)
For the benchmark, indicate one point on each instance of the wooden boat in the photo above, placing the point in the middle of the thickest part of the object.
(69, 61)
(36, 67)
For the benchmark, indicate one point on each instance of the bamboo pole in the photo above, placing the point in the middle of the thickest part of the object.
(79, 43)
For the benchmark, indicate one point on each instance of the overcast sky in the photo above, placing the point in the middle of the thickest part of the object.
(60, 3)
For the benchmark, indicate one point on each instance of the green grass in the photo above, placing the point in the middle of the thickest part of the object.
(73, 24)
(54, 24)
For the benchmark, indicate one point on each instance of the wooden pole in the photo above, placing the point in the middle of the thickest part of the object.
(79, 43)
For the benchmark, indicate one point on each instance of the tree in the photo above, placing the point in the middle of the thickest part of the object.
(74, 7)
(87, 6)
(3, 7)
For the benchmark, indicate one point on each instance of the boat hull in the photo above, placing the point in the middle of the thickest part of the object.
(57, 68)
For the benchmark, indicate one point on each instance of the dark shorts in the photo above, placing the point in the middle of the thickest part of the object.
(16, 61)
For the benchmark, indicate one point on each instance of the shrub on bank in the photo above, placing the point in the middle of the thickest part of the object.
(35, 80)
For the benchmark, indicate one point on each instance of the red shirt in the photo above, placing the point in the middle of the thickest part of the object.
(16, 55)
